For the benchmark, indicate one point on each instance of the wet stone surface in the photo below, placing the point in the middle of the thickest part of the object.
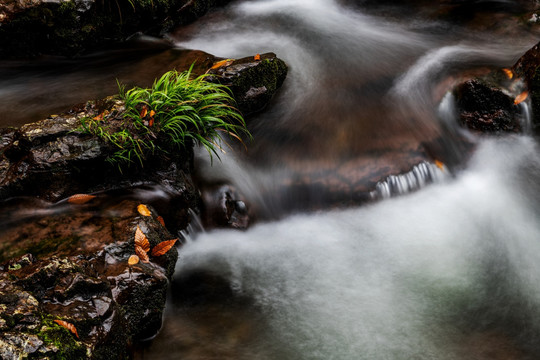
(88, 284)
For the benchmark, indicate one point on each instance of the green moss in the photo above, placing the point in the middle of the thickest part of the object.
(56, 336)
(40, 248)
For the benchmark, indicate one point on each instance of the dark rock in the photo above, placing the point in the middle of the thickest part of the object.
(486, 107)
(31, 28)
(528, 67)
(88, 283)
(222, 207)
(253, 82)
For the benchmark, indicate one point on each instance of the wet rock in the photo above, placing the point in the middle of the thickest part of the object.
(486, 107)
(55, 27)
(528, 68)
(223, 207)
(253, 82)
(88, 284)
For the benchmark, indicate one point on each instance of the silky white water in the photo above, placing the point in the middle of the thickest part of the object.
(415, 277)
(449, 272)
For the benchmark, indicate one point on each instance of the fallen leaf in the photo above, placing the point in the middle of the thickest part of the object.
(141, 253)
(257, 57)
(143, 210)
(151, 122)
(161, 221)
(439, 164)
(98, 117)
(509, 73)
(141, 240)
(163, 247)
(133, 259)
(152, 113)
(144, 111)
(521, 97)
(80, 198)
(68, 326)
(221, 63)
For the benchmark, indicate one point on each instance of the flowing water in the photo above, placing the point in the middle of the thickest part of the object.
(448, 272)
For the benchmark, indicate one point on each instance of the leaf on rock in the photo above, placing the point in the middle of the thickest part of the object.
(141, 240)
(68, 326)
(163, 247)
(222, 63)
(161, 221)
(143, 210)
(80, 198)
(257, 57)
(439, 164)
(509, 74)
(521, 97)
(143, 256)
(133, 259)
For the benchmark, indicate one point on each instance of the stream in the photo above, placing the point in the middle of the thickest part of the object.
(449, 272)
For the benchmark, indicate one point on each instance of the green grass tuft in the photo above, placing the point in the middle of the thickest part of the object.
(177, 110)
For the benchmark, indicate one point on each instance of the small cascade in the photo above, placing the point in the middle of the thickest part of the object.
(418, 177)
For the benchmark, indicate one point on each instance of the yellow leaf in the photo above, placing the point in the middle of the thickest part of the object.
(80, 198)
(141, 240)
(163, 247)
(68, 326)
(222, 63)
(509, 74)
(143, 210)
(133, 259)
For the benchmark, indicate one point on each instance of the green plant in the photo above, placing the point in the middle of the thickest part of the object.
(175, 111)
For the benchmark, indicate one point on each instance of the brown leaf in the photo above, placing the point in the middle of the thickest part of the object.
(161, 221)
(257, 57)
(141, 240)
(144, 111)
(521, 97)
(80, 198)
(143, 256)
(143, 210)
(133, 259)
(163, 247)
(151, 122)
(68, 326)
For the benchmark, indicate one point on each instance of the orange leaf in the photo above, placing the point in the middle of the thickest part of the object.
(163, 247)
(521, 97)
(143, 210)
(141, 253)
(161, 221)
(439, 164)
(151, 122)
(144, 111)
(221, 63)
(509, 74)
(80, 198)
(68, 326)
(98, 117)
(152, 113)
(133, 259)
(257, 57)
(141, 240)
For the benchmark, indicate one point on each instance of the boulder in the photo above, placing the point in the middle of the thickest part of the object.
(485, 107)
(73, 267)
(528, 68)
(253, 80)
(69, 27)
